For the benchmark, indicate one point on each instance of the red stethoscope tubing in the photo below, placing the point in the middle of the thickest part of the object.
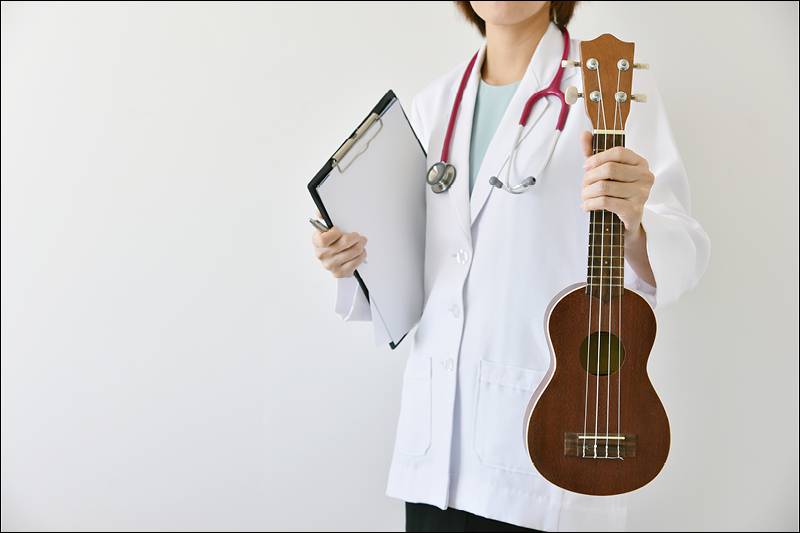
(554, 89)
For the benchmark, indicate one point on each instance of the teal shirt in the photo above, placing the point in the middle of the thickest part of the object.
(490, 106)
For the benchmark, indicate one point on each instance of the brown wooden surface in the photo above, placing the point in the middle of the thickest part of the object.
(560, 407)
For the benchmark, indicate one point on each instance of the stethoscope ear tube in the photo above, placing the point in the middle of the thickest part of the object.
(530, 181)
(441, 175)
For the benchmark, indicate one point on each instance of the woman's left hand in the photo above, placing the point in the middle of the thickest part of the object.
(617, 180)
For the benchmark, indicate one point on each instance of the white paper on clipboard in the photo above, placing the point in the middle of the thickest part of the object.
(378, 190)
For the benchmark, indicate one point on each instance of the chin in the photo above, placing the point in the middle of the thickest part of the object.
(507, 13)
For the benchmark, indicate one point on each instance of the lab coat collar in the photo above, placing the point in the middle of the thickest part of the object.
(543, 65)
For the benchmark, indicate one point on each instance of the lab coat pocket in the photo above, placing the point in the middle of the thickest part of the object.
(503, 394)
(414, 426)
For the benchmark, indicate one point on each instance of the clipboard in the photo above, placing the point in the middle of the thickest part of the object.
(349, 157)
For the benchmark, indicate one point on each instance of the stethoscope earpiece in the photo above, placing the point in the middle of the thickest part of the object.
(528, 182)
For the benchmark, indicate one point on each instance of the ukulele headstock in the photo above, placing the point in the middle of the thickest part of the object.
(607, 66)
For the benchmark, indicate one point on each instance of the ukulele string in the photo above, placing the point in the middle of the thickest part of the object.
(619, 329)
(612, 277)
(589, 333)
(592, 224)
(602, 111)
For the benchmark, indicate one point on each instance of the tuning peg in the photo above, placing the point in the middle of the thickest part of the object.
(571, 95)
(641, 98)
(641, 66)
(570, 63)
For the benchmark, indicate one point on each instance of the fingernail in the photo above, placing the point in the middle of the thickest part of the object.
(586, 165)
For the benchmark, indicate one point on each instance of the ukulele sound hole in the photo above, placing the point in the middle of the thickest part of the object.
(607, 348)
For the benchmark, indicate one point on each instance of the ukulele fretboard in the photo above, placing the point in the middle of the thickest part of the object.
(606, 265)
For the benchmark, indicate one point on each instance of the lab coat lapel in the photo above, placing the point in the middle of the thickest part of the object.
(462, 138)
(541, 69)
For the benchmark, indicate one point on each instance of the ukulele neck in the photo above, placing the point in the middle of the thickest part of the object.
(606, 265)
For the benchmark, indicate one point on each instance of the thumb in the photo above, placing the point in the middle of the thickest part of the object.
(586, 143)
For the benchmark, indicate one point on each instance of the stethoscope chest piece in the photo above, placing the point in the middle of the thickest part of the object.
(441, 176)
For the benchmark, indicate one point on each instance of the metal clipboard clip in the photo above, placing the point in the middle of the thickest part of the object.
(349, 143)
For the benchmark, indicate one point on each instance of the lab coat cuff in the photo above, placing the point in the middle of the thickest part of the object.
(670, 259)
(351, 304)
(633, 281)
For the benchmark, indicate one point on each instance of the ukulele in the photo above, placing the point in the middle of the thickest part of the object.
(596, 425)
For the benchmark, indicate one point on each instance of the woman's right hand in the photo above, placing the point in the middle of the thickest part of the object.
(340, 253)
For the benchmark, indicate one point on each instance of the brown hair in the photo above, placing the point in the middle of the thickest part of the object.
(560, 13)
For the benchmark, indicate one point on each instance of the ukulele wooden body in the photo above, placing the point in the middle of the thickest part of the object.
(573, 402)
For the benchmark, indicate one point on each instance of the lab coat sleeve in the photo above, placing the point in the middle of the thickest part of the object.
(351, 304)
(417, 124)
(677, 246)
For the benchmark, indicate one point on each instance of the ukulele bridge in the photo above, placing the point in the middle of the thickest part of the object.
(600, 445)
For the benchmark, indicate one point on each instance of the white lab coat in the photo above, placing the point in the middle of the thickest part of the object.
(493, 262)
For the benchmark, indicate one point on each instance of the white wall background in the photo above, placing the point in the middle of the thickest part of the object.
(170, 356)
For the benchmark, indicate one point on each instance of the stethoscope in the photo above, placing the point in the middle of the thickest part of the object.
(441, 175)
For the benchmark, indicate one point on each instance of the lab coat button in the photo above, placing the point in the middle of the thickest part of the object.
(449, 364)
(462, 256)
(455, 311)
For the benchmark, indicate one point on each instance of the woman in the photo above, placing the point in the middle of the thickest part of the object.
(495, 260)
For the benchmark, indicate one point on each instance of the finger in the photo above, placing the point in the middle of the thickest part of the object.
(325, 239)
(342, 243)
(615, 189)
(613, 171)
(617, 154)
(348, 255)
(622, 208)
(586, 143)
(333, 257)
(348, 240)
(349, 267)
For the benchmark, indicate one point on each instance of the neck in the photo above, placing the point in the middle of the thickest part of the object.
(606, 268)
(509, 48)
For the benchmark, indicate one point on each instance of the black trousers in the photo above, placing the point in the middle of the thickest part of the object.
(423, 517)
